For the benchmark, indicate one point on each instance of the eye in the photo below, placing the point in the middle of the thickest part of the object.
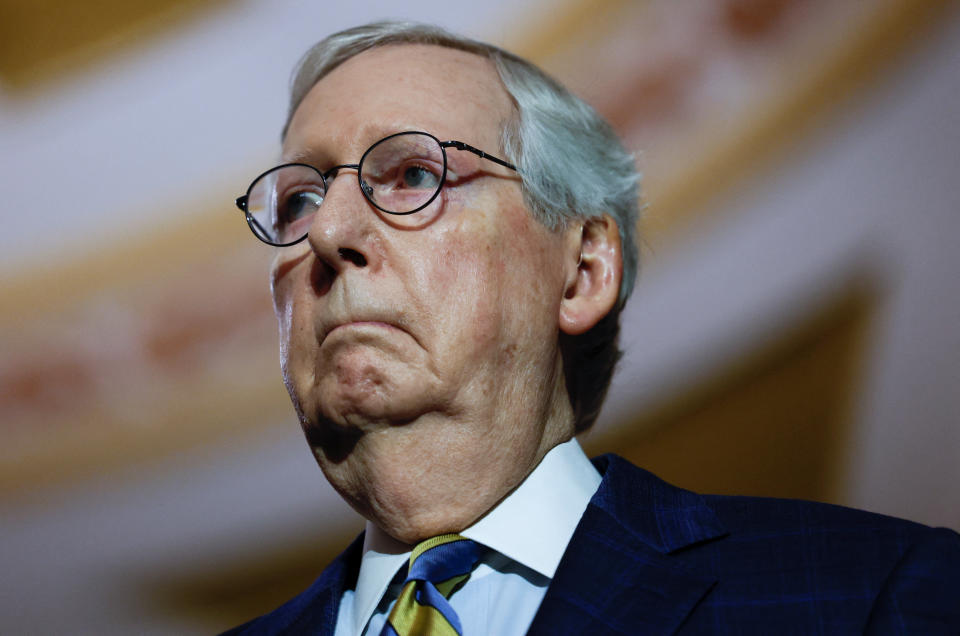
(298, 205)
(419, 177)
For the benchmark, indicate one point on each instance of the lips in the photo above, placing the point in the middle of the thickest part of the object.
(361, 324)
(363, 321)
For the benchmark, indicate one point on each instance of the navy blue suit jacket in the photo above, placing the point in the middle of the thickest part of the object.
(650, 558)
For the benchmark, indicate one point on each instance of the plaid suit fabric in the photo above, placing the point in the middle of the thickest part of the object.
(692, 564)
(650, 558)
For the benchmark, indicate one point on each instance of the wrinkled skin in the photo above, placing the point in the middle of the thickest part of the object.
(421, 352)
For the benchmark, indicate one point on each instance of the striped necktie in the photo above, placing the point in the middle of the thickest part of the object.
(437, 566)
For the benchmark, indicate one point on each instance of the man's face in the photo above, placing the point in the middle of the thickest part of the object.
(430, 338)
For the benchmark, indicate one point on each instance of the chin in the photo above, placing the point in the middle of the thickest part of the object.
(367, 397)
(354, 413)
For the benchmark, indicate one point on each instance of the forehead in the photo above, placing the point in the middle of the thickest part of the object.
(449, 93)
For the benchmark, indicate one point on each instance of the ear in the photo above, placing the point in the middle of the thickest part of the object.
(595, 268)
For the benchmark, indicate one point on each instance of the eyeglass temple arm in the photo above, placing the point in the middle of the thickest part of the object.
(459, 145)
(242, 204)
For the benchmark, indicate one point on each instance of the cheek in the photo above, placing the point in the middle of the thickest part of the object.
(457, 282)
(464, 267)
(487, 277)
(469, 259)
(280, 292)
(287, 309)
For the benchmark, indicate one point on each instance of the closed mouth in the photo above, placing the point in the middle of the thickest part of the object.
(362, 323)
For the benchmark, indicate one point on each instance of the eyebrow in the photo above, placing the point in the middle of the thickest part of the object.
(309, 157)
(314, 156)
(319, 158)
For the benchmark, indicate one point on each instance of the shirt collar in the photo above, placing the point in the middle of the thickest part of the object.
(532, 526)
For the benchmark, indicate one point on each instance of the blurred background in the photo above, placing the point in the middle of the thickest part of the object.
(795, 330)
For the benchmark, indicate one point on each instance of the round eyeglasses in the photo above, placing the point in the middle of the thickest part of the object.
(400, 174)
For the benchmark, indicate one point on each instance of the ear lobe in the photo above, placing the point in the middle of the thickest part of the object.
(593, 284)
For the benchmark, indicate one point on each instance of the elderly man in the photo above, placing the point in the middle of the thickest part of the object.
(455, 239)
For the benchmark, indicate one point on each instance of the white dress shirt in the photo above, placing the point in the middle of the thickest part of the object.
(527, 534)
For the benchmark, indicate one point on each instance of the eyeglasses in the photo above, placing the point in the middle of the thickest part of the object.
(400, 174)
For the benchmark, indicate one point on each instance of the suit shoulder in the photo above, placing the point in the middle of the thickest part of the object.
(802, 566)
(869, 571)
(759, 514)
(828, 533)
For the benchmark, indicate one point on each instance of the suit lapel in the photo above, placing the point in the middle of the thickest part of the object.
(618, 573)
(315, 610)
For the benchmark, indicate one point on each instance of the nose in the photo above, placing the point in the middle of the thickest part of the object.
(342, 233)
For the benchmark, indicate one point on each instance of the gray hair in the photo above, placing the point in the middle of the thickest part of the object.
(571, 163)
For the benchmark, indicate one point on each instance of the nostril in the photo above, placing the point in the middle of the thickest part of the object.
(353, 256)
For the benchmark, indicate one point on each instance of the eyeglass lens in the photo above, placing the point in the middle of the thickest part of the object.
(400, 174)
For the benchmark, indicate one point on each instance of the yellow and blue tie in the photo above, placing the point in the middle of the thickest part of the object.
(437, 566)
